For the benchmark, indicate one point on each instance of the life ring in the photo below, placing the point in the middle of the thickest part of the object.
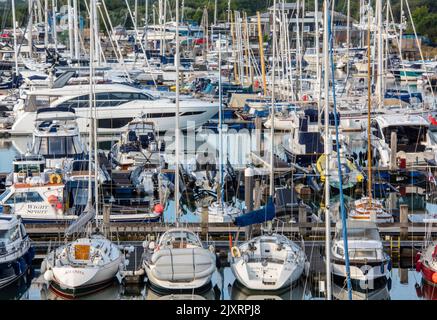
(305, 97)
(235, 252)
(55, 178)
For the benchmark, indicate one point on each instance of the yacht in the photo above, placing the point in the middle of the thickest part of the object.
(56, 136)
(268, 262)
(366, 207)
(367, 258)
(83, 266)
(116, 105)
(16, 252)
(412, 139)
(177, 261)
(137, 146)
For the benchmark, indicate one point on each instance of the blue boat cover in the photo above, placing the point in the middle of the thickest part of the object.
(257, 216)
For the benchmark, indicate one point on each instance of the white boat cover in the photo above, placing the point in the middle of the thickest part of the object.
(185, 264)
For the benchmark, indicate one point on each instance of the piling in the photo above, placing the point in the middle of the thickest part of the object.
(404, 221)
(106, 214)
(302, 218)
(204, 222)
(248, 195)
(392, 199)
(393, 147)
(6, 209)
(403, 275)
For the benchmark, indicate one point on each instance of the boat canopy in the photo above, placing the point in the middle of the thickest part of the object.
(257, 216)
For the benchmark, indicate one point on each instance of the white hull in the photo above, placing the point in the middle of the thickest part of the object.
(160, 111)
(288, 274)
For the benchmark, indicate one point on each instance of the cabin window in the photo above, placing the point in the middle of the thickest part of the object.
(9, 236)
(20, 197)
(358, 254)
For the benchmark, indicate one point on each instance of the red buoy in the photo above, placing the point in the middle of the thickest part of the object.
(158, 208)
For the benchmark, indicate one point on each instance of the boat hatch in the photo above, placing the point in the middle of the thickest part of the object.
(82, 251)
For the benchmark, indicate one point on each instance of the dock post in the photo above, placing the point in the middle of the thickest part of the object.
(393, 148)
(248, 195)
(204, 223)
(403, 275)
(302, 218)
(404, 221)
(392, 199)
(258, 135)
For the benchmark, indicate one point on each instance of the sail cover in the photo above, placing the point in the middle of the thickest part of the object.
(257, 216)
(77, 225)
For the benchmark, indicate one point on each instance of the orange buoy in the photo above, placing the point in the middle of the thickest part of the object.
(434, 277)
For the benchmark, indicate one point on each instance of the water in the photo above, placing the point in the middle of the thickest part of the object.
(403, 284)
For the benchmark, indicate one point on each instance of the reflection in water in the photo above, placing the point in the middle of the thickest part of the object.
(297, 292)
(380, 291)
(19, 288)
(426, 290)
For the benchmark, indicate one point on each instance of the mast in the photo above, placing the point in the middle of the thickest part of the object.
(14, 22)
(70, 29)
(46, 23)
(90, 101)
(327, 152)
(348, 36)
(30, 28)
(55, 36)
(76, 29)
(379, 82)
(261, 54)
(177, 61)
(220, 194)
(272, 127)
(369, 107)
(317, 47)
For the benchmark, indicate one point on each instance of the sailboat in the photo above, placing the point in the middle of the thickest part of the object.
(270, 261)
(220, 211)
(91, 263)
(178, 261)
(426, 262)
(368, 208)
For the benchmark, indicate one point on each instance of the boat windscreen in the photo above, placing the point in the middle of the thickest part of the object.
(362, 234)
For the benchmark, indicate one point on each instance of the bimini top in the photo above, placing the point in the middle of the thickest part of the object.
(7, 221)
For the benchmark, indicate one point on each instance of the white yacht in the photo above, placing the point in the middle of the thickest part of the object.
(16, 252)
(138, 145)
(83, 266)
(267, 262)
(412, 137)
(116, 106)
(177, 261)
(56, 136)
(367, 258)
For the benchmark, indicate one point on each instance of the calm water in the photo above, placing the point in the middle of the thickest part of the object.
(410, 288)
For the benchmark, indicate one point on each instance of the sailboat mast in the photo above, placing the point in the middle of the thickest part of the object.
(220, 193)
(46, 23)
(76, 31)
(272, 127)
(369, 107)
(14, 22)
(177, 61)
(379, 81)
(327, 153)
(70, 29)
(348, 36)
(91, 99)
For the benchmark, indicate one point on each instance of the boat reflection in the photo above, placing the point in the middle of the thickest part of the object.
(112, 292)
(381, 291)
(296, 292)
(153, 295)
(426, 290)
(19, 288)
